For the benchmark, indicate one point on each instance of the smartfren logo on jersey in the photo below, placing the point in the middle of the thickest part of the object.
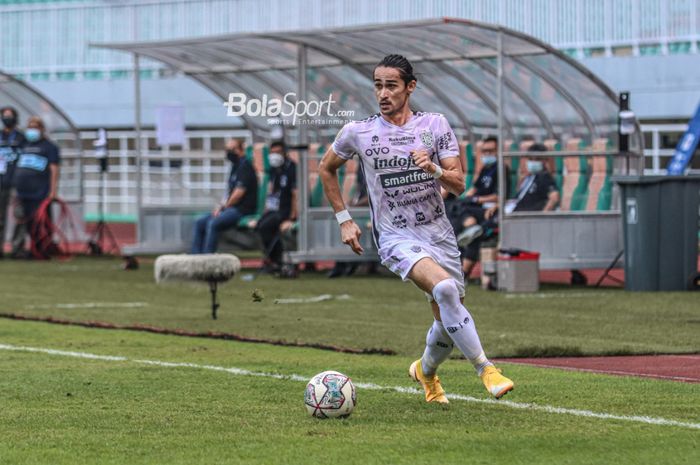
(405, 179)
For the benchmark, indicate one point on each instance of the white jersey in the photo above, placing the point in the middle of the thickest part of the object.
(405, 200)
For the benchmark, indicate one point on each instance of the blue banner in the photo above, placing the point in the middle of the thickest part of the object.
(686, 146)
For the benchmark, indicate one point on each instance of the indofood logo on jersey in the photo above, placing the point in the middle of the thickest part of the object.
(394, 162)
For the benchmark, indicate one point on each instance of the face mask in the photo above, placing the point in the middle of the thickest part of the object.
(9, 121)
(231, 156)
(534, 166)
(488, 159)
(276, 160)
(32, 134)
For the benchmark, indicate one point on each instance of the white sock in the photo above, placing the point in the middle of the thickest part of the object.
(459, 324)
(438, 347)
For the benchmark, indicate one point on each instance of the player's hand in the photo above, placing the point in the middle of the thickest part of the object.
(286, 225)
(423, 161)
(350, 234)
(216, 211)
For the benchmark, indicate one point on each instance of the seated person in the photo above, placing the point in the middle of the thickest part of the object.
(482, 195)
(280, 206)
(537, 191)
(242, 199)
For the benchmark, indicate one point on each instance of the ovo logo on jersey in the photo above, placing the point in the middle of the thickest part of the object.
(376, 151)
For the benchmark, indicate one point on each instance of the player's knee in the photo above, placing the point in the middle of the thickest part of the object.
(446, 293)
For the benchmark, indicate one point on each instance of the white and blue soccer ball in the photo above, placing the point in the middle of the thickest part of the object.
(330, 395)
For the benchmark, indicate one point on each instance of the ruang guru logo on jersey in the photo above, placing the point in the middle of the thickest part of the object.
(239, 104)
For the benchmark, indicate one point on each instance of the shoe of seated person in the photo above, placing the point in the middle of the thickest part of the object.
(470, 234)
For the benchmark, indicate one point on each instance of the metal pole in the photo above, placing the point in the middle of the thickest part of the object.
(303, 168)
(137, 146)
(501, 161)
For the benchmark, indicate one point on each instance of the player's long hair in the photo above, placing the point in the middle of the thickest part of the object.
(401, 63)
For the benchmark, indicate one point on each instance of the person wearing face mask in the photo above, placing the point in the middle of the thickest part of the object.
(537, 191)
(241, 200)
(35, 179)
(478, 199)
(280, 206)
(11, 140)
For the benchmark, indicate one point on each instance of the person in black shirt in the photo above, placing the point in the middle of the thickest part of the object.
(11, 140)
(281, 205)
(470, 218)
(35, 179)
(241, 200)
(537, 191)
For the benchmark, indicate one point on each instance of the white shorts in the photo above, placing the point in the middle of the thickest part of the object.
(400, 257)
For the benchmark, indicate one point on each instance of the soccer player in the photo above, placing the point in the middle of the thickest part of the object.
(405, 158)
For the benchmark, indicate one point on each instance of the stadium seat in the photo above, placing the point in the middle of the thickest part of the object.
(557, 163)
(600, 184)
(574, 190)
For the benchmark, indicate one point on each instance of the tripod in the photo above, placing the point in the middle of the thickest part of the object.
(102, 240)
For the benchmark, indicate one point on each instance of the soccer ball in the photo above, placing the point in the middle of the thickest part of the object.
(330, 395)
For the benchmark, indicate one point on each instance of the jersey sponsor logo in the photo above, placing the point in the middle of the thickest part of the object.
(414, 201)
(32, 162)
(438, 212)
(399, 221)
(443, 142)
(416, 189)
(403, 140)
(421, 220)
(376, 151)
(404, 179)
(416, 249)
(394, 162)
(426, 138)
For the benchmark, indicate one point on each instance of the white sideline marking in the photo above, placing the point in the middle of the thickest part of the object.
(549, 295)
(311, 300)
(370, 386)
(93, 305)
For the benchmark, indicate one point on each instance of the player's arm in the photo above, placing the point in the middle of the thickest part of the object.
(448, 173)
(328, 171)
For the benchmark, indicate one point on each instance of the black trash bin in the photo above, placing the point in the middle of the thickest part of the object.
(660, 220)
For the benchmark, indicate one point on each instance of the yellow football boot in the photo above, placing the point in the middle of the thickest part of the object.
(433, 390)
(497, 384)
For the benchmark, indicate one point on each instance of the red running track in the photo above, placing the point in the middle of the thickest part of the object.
(685, 368)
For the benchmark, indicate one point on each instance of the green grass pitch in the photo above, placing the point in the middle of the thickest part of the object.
(60, 409)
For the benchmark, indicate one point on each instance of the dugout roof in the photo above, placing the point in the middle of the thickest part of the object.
(545, 93)
(28, 101)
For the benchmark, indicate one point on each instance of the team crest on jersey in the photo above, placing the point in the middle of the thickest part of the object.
(426, 137)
